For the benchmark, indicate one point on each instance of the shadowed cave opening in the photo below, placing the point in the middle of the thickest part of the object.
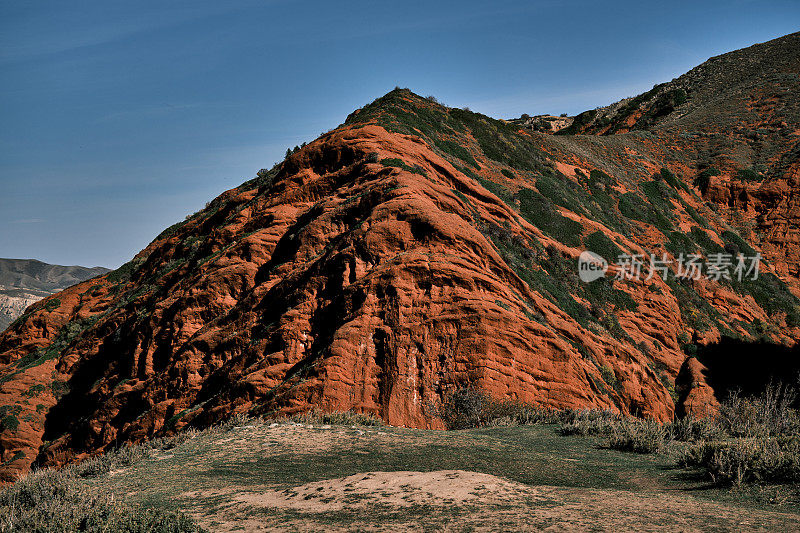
(749, 367)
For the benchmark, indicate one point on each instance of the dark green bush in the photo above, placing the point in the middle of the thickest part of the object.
(697, 217)
(601, 293)
(469, 407)
(542, 213)
(771, 294)
(703, 179)
(665, 104)
(562, 191)
(456, 150)
(399, 163)
(608, 375)
(749, 174)
(601, 244)
(706, 243)
(501, 191)
(126, 271)
(464, 408)
(638, 436)
(680, 243)
(9, 423)
(507, 173)
(580, 121)
(747, 460)
(671, 179)
(634, 207)
(744, 246)
(51, 501)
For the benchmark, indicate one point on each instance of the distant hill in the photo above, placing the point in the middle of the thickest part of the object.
(25, 281)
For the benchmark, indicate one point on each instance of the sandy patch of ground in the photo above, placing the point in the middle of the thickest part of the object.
(456, 500)
(398, 489)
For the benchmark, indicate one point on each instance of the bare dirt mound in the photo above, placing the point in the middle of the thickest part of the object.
(401, 489)
(455, 500)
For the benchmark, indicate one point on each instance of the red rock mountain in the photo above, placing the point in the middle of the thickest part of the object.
(417, 249)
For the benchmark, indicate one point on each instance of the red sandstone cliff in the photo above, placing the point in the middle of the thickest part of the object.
(411, 251)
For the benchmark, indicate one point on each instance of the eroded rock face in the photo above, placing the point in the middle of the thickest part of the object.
(352, 285)
(378, 269)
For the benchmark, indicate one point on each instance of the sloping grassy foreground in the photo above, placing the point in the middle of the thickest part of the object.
(252, 475)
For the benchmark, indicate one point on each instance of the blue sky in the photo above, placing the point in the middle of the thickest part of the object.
(119, 118)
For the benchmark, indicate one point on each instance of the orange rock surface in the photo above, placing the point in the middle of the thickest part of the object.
(344, 280)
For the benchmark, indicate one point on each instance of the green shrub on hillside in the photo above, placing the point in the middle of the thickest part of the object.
(697, 217)
(666, 103)
(578, 123)
(634, 207)
(743, 246)
(9, 423)
(507, 173)
(703, 179)
(456, 150)
(659, 194)
(771, 294)
(501, 191)
(706, 243)
(264, 178)
(680, 243)
(542, 213)
(399, 163)
(124, 273)
(750, 174)
(696, 311)
(562, 191)
(65, 336)
(601, 293)
(600, 199)
(671, 179)
(599, 243)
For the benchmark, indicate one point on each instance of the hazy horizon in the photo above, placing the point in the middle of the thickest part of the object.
(121, 119)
